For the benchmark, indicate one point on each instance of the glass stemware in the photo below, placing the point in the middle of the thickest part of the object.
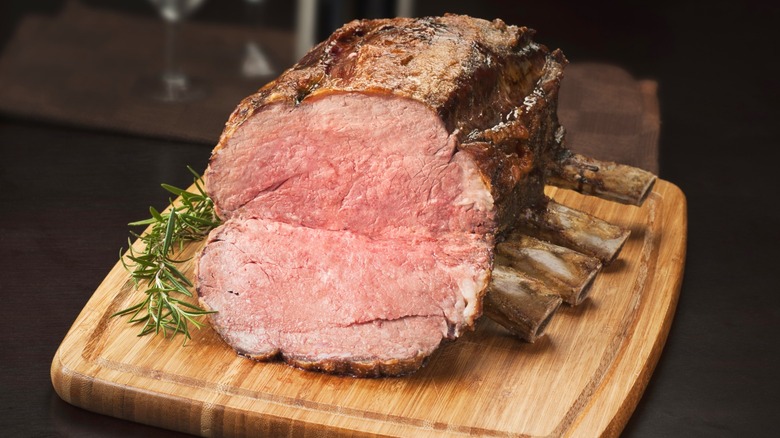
(172, 84)
(255, 63)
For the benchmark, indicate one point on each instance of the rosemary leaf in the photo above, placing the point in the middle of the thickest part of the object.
(159, 310)
(175, 190)
(155, 214)
(169, 227)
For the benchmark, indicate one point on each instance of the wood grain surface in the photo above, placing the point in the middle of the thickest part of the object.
(584, 378)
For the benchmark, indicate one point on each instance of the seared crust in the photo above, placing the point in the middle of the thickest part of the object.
(472, 72)
(371, 368)
(360, 368)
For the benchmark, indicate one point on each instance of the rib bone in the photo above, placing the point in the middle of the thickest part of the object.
(566, 272)
(572, 229)
(607, 180)
(521, 304)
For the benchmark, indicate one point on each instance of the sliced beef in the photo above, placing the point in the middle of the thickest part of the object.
(363, 191)
(324, 296)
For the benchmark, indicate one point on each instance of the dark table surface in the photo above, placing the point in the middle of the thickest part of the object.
(67, 193)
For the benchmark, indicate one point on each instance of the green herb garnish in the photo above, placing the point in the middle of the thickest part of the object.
(154, 268)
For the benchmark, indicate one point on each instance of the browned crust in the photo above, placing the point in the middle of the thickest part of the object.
(453, 64)
(514, 155)
(361, 368)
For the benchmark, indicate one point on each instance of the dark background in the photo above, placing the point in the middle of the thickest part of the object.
(65, 200)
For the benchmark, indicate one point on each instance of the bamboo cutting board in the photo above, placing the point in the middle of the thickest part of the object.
(584, 378)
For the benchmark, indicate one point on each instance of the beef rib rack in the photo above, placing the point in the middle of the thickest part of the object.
(389, 185)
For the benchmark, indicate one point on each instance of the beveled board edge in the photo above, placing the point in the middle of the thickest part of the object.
(603, 415)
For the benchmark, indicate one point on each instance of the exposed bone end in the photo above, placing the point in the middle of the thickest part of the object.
(568, 273)
(573, 229)
(521, 304)
(607, 180)
(582, 293)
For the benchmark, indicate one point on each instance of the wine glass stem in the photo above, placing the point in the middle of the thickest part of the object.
(172, 73)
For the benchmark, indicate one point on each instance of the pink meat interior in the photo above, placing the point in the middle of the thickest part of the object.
(354, 231)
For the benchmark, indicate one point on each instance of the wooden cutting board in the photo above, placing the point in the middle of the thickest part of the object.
(584, 378)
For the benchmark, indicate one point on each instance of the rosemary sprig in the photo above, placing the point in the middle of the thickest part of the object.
(154, 268)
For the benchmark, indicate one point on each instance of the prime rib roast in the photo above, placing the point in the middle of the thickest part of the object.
(387, 190)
